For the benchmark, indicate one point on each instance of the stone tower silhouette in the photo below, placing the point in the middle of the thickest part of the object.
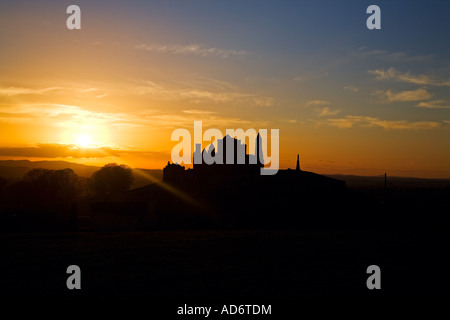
(297, 168)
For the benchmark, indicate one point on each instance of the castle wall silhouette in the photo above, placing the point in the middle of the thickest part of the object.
(232, 162)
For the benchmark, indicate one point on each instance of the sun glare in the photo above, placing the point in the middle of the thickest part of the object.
(84, 140)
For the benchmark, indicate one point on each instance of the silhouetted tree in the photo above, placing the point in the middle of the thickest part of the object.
(54, 185)
(112, 179)
(42, 200)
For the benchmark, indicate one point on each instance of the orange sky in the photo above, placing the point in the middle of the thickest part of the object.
(116, 89)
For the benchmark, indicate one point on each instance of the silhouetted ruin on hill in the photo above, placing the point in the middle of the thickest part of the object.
(237, 193)
(228, 193)
(229, 168)
(231, 164)
(224, 188)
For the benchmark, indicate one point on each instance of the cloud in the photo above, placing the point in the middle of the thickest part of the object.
(191, 49)
(218, 94)
(14, 91)
(97, 93)
(321, 107)
(60, 151)
(351, 88)
(384, 55)
(435, 104)
(392, 74)
(327, 112)
(57, 150)
(352, 121)
(68, 116)
(187, 119)
(198, 112)
(313, 103)
(403, 96)
(64, 115)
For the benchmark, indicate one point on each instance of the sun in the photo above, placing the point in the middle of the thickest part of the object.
(86, 136)
(84, 140)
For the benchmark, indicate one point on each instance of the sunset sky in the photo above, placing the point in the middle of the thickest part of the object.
(347, 99)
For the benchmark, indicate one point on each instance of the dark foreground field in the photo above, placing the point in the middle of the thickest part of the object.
(219, 265)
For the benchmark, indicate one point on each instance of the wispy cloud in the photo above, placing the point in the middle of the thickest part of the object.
(198, 112)
(434, 104)
(64, 116)
(69, 116)
(404, 96)
(58, 150)
(384, 55)
(314, 103)
(200, 94)
(191, 49)
(321, 107)
(187, 119)
(54, 150)
(351, 88)
(15, 91)
(352, 121)
(327, 112)
(422, 79)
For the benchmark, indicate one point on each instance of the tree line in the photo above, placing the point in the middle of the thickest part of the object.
(46, 192)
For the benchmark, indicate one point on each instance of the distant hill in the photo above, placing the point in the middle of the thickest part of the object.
(377, 182)
(15, 169)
